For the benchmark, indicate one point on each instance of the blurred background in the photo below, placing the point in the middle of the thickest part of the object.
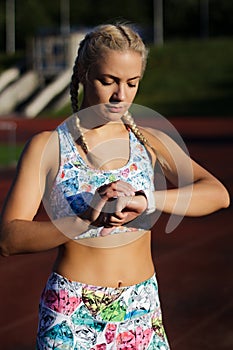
(189, 80)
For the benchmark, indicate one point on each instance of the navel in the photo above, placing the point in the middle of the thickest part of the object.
(120, 284)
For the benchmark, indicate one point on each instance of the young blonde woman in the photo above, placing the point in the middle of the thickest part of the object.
(95, 174)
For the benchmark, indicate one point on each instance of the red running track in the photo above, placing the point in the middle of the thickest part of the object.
(193, 263)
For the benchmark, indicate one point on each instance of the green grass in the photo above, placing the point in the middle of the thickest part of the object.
(9, 154)
(187, 78)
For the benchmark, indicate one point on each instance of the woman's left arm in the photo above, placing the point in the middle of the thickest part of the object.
(196, 191)
(204, 196)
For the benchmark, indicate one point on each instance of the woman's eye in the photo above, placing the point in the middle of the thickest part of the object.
(104, 82)
(133, 83)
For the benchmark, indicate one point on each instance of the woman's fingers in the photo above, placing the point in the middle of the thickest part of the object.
(116, 189)
(106, 231)
(110, 201)
(112, 221)
(113, 211)
(123, 209)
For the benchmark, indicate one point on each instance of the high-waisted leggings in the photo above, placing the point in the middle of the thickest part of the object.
(78, 316)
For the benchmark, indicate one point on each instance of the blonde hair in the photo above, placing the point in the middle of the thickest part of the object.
(102, 38)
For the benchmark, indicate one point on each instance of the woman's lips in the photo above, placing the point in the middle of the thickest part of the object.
(115, 108)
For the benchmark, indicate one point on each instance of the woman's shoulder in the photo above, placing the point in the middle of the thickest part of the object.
(156, 138)
(153, 135)
(42, 138)
(162, 144)
(39, 146)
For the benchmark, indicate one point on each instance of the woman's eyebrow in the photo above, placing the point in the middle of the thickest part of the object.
(134, 78)
(114, 77)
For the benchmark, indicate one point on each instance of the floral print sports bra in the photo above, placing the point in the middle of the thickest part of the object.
(76, 182)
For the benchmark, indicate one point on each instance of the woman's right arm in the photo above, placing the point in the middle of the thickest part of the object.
(18, 232)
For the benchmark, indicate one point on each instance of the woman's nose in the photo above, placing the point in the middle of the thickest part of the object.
(119, 93)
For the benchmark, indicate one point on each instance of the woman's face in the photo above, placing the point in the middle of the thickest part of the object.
(112, 83)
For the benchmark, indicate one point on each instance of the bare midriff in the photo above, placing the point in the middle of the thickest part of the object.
(122, 265)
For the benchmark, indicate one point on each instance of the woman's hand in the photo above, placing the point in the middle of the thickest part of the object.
(122, 210)
(104, 202)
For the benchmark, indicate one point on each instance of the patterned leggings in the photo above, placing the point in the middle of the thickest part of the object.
(77, 316)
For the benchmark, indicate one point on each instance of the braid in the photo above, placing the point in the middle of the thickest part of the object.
(124, 34)
(74, 87)
(81, 137)
(78, 74)
(129, 121)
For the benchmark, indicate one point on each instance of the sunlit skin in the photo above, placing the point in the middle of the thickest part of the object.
(111, 84)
